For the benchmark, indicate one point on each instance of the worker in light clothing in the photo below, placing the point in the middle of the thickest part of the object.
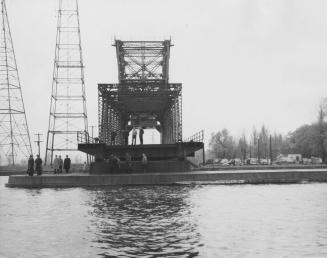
(134, 134)
(84, 166)
(61, 164)
(144, 162)
(56, 165)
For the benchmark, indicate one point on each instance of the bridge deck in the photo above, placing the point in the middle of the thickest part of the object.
(152, 151)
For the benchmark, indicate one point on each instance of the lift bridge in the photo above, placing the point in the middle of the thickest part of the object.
(142, 98)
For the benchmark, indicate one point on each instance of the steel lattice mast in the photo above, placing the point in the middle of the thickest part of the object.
(15, 140)
(68, 115)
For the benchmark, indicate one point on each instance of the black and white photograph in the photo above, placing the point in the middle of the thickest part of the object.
(147, 128)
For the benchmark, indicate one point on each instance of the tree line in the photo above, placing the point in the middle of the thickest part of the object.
(307, 140)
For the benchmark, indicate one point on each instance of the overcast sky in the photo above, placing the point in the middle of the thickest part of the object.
(242, 63)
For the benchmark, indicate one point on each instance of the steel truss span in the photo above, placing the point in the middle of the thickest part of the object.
(143, 60)
(68, 114)
(15, 143)
(143, 97)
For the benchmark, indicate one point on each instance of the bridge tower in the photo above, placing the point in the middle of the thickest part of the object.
(144, 97)
(68, 115)
(15, 140)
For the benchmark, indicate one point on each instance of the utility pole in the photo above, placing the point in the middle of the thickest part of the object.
(92, 126)
(91, 158)
(250, 149)
(38, 142)
(259, 150)
(270, 150)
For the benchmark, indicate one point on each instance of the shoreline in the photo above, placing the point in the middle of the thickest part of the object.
(4, 171)
(281, 176)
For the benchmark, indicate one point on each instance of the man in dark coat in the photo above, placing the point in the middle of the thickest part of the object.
(30, 166)
(141, 135)
(67, 164)
(38, 165)
(125, 136)
(115, 164)
(113, 137)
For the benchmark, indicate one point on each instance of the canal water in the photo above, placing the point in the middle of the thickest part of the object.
(165, 221)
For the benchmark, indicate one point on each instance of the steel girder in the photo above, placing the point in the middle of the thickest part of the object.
(143, 60)
(143, 92)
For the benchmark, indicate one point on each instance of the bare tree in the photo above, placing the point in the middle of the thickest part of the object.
(222, 145)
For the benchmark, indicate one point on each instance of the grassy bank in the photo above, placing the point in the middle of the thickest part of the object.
(215, 167)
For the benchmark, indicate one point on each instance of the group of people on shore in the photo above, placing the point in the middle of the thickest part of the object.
(34, 165)
(59, 164)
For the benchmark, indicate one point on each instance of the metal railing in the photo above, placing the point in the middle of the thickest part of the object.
(197, 137)
(84, 137)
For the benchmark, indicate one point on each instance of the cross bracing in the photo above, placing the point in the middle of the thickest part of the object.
(143, 97)
(15, 144)
(68, 115)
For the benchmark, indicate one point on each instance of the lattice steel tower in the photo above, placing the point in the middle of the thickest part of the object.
(15, 140)
(68, 114)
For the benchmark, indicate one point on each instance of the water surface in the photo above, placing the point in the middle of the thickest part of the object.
(165, 221)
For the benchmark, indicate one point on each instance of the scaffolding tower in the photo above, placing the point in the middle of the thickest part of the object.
(68, 116)
(143, 97)
(15, 140)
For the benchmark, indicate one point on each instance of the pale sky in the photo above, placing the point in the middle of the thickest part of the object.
(242, 63)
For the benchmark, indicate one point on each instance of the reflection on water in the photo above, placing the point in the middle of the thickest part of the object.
(165, 221)
(144, 220)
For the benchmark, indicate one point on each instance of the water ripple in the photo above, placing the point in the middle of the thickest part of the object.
(164, 221)
(154, 222)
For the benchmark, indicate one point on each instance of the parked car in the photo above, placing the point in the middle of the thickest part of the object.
(209, 161)
(306, 161)
(297, 158)
(284, 160)
(235, 162)
(315, 160)
(231, 162)
(238, 162)
(263, 162)
(224, 162)
(252, 161)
